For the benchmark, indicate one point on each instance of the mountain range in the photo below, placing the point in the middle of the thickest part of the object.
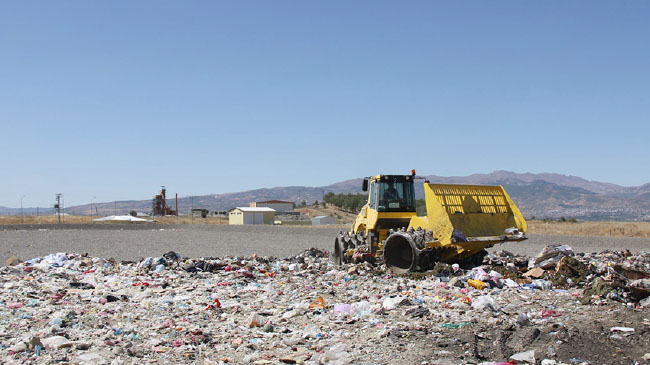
(545, 195)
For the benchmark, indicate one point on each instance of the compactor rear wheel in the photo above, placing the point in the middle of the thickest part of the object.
(406, 251)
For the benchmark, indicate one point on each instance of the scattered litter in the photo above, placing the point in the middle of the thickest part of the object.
(551, 255)
(74, 308)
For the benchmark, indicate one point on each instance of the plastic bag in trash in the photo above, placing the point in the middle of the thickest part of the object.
(484, 302)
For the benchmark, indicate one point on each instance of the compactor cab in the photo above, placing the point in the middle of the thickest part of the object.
(461, 221)
(391, 205)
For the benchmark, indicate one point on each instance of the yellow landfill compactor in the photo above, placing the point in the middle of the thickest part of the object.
(460, 222)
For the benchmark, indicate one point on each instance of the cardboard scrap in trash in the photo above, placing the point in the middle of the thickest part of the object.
(537, 272)
(571, 267)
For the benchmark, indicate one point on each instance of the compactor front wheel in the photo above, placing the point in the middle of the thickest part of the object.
(338, 255)
(406, 251)
(401, 253)
(343, 243)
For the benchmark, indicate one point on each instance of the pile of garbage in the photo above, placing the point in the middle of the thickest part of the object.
(68, 307)
(620, 276)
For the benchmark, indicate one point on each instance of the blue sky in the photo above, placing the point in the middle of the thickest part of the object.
(106, 101)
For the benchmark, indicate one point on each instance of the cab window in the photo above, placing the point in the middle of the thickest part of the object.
(395, 195)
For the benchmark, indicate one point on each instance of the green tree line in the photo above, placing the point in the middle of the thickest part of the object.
(349, 202)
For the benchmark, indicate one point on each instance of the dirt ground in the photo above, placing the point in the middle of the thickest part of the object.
(132, 241)
(582, 335)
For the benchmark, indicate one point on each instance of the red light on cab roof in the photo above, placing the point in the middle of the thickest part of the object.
(413, 172)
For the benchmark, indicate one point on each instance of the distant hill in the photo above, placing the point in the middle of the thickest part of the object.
(539, 195)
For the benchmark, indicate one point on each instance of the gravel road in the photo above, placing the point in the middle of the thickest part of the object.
(130, 242)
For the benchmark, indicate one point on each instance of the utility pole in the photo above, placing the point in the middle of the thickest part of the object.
(57, 206)
(192, 210)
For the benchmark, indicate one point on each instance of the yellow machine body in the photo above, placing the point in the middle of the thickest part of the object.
(481, 213)
(460, 221)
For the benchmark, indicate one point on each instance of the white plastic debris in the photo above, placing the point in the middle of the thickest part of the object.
(310, 331)
(56, 342)
(254, 320)
(510, 283)
(391, 303)
(19, 347)
(338, 354)
(549, 362)
(526, 356)
(484, 302)
(622, 329)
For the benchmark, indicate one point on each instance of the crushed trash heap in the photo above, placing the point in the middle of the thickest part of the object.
(74, 308)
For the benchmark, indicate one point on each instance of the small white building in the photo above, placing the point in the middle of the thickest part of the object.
(247, 215)
(280, 206)
(322, 220)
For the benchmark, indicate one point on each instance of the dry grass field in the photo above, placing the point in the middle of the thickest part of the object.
(190, 220)
(45, 219)
(341, 216)
(615, 229)
(84, 219)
